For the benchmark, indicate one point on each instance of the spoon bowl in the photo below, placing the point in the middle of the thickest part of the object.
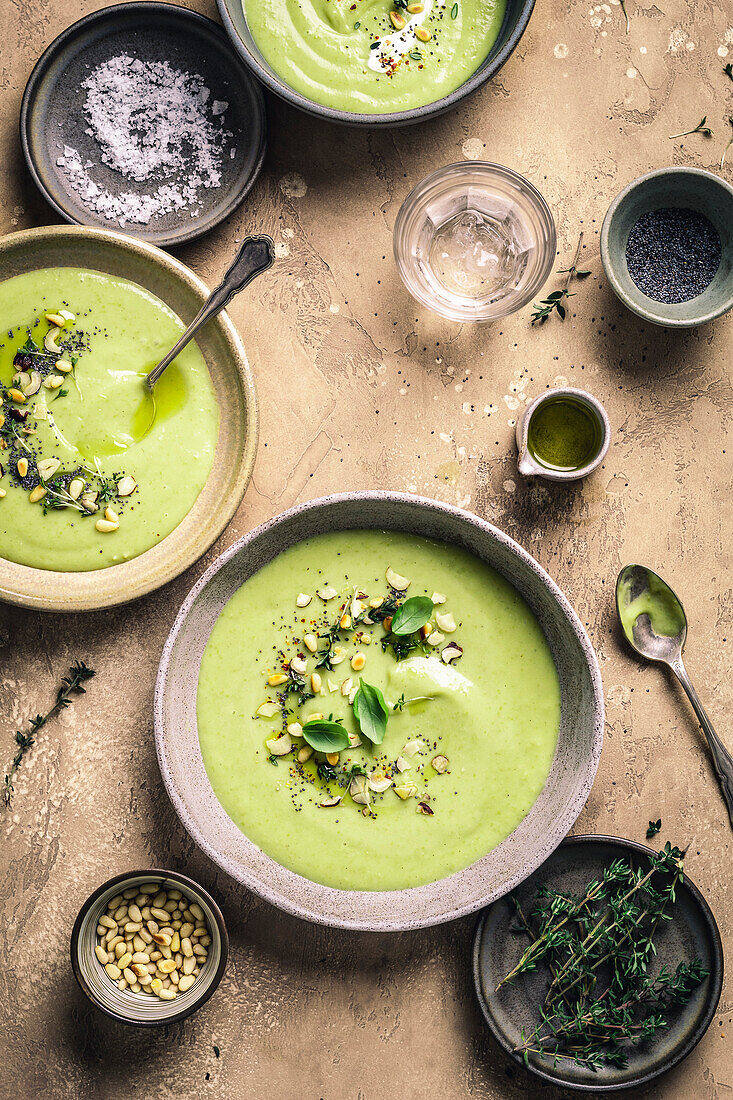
(652, 616)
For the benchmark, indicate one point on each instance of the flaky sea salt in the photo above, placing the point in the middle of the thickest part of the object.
(153, 124)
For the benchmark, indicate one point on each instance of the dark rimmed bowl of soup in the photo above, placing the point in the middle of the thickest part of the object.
(377, 711)
(371, 65)
(107, 490)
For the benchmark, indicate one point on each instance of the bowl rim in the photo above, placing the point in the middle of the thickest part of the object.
(119, 584)
(641, 309)
(690, 1043)
(33, 84)
(285, 900)
(196, 889)
(388, 118)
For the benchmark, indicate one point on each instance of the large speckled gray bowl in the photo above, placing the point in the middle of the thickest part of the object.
(564, 794)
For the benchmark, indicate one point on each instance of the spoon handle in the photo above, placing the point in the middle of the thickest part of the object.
(255, 256)
(722, 759)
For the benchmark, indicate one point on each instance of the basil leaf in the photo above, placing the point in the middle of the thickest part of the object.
(371, 712)
(325, 736)
(413, 614)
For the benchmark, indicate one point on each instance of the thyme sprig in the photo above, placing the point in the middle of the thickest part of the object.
(730, 142)
(598, 947)
(72, 684)
(701, 128)
(555, 301)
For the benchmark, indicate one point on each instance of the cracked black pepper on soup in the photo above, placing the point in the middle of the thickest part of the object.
(673, 254)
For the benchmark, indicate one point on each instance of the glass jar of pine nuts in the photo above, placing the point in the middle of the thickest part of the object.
(149, 947)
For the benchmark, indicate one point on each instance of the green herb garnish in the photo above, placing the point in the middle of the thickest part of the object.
(415, 55)
(555, 301)
(654, 827)
(357, 25)
(78, 673)
(701, 128)
(454, 12)
(412, 615)
(599, 947)
(401, 702)
(61, 393)
(371, 712)
(325, 736)
(722, 159)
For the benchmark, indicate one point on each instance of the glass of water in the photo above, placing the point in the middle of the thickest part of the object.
(474, 241)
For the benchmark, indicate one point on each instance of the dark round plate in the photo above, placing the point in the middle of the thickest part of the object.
(692, 932)
(51, 113)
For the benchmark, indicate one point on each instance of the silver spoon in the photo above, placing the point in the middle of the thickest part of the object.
(635, 582)
(255, 256)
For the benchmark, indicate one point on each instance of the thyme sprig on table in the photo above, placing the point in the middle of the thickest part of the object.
(730, 142)
(70, 685)
(598, 948)
(555, 301)
(701, 128)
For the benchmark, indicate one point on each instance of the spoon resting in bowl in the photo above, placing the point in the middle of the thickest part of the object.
(655, 626)
(255, 256)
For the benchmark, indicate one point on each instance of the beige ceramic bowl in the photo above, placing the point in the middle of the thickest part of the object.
(221, 347)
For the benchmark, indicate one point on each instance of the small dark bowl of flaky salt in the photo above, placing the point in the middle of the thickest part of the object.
(142, 117)
(667, 247)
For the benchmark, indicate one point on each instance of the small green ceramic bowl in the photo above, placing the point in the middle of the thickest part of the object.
(687, 188)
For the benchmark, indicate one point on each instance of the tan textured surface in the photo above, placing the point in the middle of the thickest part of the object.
(359, 388)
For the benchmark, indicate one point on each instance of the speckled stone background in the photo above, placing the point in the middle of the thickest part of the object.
(359, 388)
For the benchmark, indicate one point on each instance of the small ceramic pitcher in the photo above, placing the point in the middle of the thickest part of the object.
(527, 464)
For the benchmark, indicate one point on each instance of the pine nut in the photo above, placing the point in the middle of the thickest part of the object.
(141, 957)
(120, 913)
(107, 922)
(131, 892)
(113, 971)
(156, 985)
(158, 914)
(316, 683)
(125, 960)
(37, 494)
(145, 937)
(133, 926)
(134, 910)
(130, 975)
(189, 964)
(159, 900)
(167, 966)
(101, 955)
(185, 982)
(186, 930)
(167, 994)
(310, 642)
(176, 895)
(186, 947)
(120, 949)
(115, 902)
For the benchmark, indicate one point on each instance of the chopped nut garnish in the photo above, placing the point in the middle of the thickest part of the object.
(298, 665)
(106, 526)
(358, 661)
(446, 622)
(303, 600)
(276, 679)
(327, 593)
(396, 20)
(405, 791)
(37, 494)
(295, 729)
(424, 36)
(63, 366)
(310, 642)
(333, 758)
(53, 381)
(438, 597)
(316, 682)
(17, 396)
(451, 652)
(423, 808)
(50, 341)
(47, 467)
(402, 765)
(333, 801)
(22, 467)
(435, 638)
(280, 746)
(440, 764)
(305, 754)
(267, 710)
(126, 486)
(394, 580)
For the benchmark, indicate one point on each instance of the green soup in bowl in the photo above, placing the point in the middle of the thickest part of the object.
(106, 490)
(448, 693)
